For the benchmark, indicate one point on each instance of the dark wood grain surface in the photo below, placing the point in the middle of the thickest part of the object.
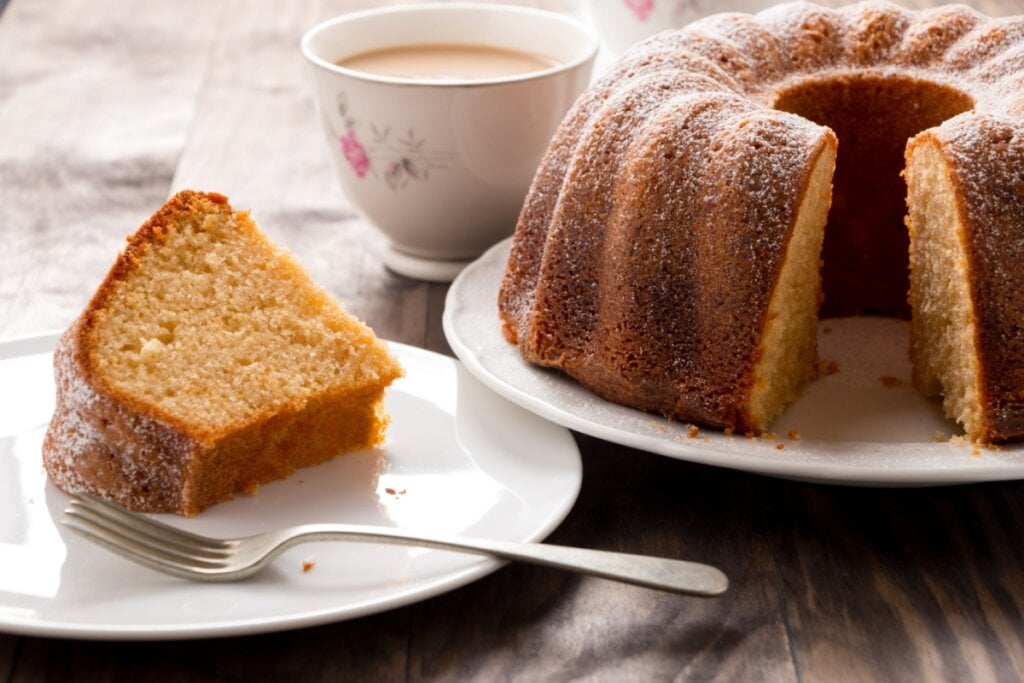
(107, 107)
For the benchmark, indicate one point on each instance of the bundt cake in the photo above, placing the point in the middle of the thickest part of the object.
(667, 255)
(208, 363)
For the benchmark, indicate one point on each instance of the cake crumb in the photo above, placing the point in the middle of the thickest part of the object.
(394, 492)
(939, 437)
(959, 441)
(827, 367)
(307, 565)
(780, 446)
(728, 431)
(692, 433)
(890, 382)
(793, 434)
(976, 452)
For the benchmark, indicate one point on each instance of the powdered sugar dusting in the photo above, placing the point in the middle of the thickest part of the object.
(95, 445)
(663, 142)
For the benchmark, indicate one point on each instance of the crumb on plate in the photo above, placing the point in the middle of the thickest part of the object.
(827, 367)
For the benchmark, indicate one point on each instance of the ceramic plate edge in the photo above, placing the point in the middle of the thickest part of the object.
(823, 473)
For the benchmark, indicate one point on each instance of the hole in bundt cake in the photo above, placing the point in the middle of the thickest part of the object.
(865, 250)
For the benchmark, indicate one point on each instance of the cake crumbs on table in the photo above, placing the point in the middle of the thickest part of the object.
(780, 446)
(890, 382)
(307, 565)
(693, 432)
(793, 434)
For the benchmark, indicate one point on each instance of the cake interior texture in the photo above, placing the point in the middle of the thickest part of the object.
(218, 325)
(943, 350)
(210, 363)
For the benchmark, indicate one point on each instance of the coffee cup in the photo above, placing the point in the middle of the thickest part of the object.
(440, 163)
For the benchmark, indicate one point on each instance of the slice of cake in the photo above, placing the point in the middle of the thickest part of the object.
(207, 363)
(966, 279)
(788, 350)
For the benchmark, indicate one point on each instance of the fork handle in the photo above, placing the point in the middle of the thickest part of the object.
(677, 576)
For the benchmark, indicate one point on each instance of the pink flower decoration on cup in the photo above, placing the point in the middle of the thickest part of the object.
(641, 8)
(355, 153)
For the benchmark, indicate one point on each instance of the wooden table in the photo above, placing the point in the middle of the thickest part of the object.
(106, 107)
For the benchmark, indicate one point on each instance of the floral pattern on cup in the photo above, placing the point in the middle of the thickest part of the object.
(355, 153)
(401, 159)
(671, 13)
(641, 8)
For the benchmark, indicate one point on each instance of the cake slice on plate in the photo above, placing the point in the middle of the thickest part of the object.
(208, 363)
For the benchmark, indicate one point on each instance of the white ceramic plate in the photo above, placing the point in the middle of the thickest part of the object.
(862, 425)
(458, 459)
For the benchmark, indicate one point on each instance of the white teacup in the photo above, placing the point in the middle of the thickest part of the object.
(442, 167)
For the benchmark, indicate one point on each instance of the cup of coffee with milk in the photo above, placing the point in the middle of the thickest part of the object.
(437, 116)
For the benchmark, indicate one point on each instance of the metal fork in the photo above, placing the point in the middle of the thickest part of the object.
(200, 558)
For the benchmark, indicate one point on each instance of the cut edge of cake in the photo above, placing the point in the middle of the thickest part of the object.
(944, 349)
(788, 348)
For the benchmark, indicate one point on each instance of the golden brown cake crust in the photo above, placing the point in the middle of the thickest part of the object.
(630, 293)
(110, 441)
(114, 448)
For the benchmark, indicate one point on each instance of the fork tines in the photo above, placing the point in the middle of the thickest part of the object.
(142, 539)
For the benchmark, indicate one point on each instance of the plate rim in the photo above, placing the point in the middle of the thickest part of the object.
(477, 275)
(36, 344)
